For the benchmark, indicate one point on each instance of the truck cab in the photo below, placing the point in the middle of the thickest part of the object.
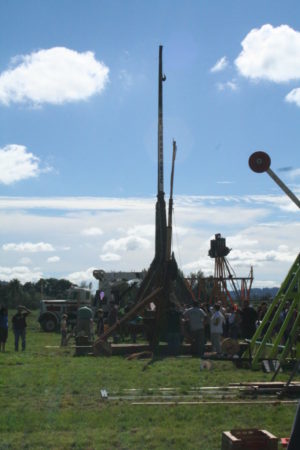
(51, 311)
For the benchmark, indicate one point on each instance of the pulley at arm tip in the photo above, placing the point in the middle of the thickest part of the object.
(259, 162)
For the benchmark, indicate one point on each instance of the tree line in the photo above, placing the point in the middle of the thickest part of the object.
(14, 293)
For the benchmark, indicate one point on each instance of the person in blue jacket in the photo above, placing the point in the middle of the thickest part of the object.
(3, 327)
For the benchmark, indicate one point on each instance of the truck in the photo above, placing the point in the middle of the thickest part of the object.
(51, 311)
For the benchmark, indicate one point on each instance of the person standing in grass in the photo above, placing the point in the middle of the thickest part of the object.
(216, 328)
(19, 326)
(249, 318)
(3, 327)
(173, 329)
(196, 317)
(63, 330)
(99, 322)
(294, 443)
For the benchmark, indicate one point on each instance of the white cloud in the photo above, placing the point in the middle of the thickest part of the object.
(242, 257)
(17, 164)
(77, 203)
(220, 65)
(28, 247)
(126, 78)
(293, 96)
(256, 224)
(53, 259)
(142, 230)
(270, 53)
(84, 275)
(93, 231)
(130, 243)
(230, 85)
(294, 173)
(25, 261)
(266, 284)
(22, 273)
(56, 75)
(110, 257)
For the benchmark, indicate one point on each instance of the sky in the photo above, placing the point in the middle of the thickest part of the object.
(78, 134)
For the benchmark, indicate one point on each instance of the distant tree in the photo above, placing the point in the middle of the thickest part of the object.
(53, 287)
(13, 293)
(3, 293)
(196, 285)
(29, 287)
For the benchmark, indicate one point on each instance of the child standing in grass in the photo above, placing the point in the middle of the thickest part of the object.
(64, 329)
(3, 327)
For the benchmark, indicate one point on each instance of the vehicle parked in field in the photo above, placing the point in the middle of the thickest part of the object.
(51, 311)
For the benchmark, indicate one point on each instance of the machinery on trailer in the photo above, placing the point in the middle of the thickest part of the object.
(118, 287)
(51, 311)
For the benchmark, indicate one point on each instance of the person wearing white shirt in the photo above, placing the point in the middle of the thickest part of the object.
(216, 328)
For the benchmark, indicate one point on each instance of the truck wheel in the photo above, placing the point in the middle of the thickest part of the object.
(49, 324)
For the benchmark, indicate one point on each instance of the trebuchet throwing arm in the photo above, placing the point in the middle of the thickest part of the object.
(260, 162)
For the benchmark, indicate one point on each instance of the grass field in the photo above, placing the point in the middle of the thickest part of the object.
(51, 400)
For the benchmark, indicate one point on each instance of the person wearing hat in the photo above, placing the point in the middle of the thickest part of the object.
(63, 330)
(19, 326)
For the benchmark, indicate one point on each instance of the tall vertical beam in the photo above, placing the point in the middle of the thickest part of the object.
(160, 135)
(161, 221)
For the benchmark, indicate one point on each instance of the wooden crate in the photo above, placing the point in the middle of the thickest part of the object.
(249, 439)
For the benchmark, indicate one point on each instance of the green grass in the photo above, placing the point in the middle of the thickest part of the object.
(51, 400)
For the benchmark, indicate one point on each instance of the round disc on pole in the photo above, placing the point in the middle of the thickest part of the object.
(259, 162)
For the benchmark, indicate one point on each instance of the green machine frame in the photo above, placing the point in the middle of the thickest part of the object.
(274, 338)
(270, 341)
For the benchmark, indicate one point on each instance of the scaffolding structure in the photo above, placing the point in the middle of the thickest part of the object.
(277, 336)
(224, 286)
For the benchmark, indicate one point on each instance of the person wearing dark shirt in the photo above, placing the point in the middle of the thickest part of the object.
(112, 318)
(249, 318)
(294, 443)
(99, 322)
(3, 328)
(173, 329)
(19, 326)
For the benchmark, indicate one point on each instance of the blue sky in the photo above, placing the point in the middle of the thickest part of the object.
(78, 133)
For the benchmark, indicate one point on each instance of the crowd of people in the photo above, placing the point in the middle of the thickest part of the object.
(196, 323)
(200, 323)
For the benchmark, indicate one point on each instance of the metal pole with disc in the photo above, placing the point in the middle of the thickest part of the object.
(272, 332)
(260, 162)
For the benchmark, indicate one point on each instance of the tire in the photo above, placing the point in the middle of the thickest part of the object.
(49, 324)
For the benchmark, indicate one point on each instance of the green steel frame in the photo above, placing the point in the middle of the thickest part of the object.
(270, 341)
